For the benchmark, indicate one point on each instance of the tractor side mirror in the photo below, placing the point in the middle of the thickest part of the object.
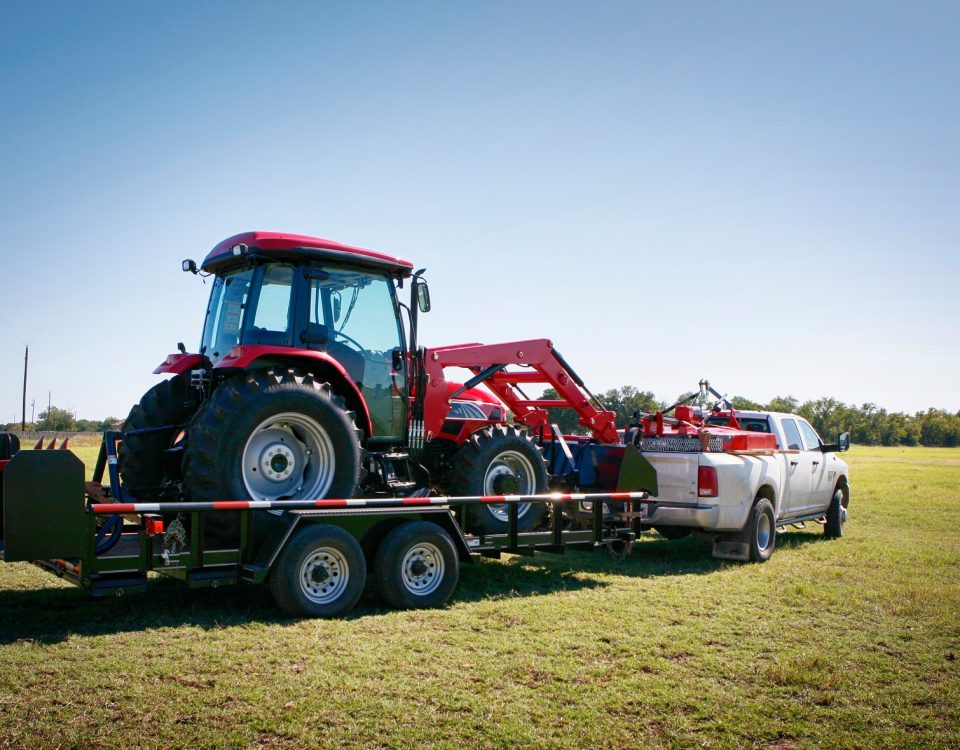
(423, 296)
(189, 266)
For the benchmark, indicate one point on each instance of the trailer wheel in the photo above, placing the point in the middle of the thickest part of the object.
(416, 566)
(141, 457)
(499, 460)
(836, 516)
(321, 572)
(761, 530)
(270, 435)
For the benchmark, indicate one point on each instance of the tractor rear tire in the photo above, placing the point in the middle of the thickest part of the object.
(270, 435)
(499, 460)
(141, 457)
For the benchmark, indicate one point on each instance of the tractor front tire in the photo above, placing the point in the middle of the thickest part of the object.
(270, 435)
(499, 460)
(141, 457)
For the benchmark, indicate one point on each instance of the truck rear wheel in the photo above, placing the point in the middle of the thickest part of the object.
(761, 530)
(321, 572)
(141, 457)
(416, 566)
(499, 460)
(270, 435)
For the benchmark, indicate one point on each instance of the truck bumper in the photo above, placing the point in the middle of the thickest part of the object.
(698, 516)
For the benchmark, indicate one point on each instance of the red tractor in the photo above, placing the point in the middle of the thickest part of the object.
(309, 383)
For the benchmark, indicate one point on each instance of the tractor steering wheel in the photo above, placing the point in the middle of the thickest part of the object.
(350, 339)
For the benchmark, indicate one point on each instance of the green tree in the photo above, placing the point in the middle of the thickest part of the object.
(55, 419)
(787, 404)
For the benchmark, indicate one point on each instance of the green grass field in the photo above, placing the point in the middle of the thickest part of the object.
(850, 643)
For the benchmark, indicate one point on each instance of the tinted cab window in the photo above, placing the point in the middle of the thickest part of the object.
(811, 440)
(792, 434)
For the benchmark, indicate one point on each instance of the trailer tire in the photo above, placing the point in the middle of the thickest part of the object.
(141, 457)
(321, 572)
(836, 515)
(499, 460)
(267, 435)
(416, 566)
(761, 530)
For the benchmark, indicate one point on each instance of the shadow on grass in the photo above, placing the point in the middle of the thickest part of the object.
(53, 615)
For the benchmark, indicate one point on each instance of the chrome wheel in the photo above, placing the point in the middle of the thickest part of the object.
(764, 532)
(510, 473)
(324, 575)
(422, 569)
(288, 455)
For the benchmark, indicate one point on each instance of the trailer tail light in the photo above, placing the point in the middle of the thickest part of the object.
(153, 526)
(707, 484)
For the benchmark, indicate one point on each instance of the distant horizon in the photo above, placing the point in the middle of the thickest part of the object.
(761, 194)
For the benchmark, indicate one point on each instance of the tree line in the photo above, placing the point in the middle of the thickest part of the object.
(867, 424)
(56, 419)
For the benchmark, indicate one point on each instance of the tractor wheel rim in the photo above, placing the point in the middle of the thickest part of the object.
(763, 532)
(288, 455)
(324, 575)
(422, 569)
(509, 464)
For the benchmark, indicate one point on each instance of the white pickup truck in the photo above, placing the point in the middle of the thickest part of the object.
(741, 498)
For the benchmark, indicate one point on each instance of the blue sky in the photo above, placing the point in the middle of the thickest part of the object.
(765, 194)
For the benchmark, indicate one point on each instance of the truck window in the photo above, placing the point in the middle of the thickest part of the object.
(792, 434)
(810, 438)
(750, 424)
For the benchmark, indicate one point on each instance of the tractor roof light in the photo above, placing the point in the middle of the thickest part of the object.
(239, 249)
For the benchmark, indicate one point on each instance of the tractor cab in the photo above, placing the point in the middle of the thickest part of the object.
(278, 298)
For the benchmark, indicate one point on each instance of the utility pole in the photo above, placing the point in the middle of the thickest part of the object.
(33, 409)
(23, 412)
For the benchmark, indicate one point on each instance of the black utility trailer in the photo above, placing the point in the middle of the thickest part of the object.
(315, 554)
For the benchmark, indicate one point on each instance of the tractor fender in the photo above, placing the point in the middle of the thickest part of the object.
(177, 364)
(320, 364)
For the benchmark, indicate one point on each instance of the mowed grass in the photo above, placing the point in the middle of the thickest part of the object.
(850, 643)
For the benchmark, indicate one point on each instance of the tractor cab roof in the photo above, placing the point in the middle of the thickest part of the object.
(282, 246)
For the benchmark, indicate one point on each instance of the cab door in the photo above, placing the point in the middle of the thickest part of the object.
(799, 467)
(821, 489)
(353, 315)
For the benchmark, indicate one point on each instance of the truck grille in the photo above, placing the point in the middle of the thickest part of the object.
(680, 444)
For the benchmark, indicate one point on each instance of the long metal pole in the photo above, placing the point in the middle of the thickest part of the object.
(23, 413)
(391, 502)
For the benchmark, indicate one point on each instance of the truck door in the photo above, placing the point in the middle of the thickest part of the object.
(799, 470)
(821, 489)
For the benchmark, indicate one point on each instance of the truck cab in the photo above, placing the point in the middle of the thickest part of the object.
(802, 479)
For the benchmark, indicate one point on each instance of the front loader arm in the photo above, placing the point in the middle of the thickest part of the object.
(541, 363)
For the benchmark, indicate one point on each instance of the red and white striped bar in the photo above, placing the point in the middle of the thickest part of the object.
(388, 502)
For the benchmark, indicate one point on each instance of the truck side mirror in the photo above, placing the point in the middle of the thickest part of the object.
(423, 296)
(843, 441)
